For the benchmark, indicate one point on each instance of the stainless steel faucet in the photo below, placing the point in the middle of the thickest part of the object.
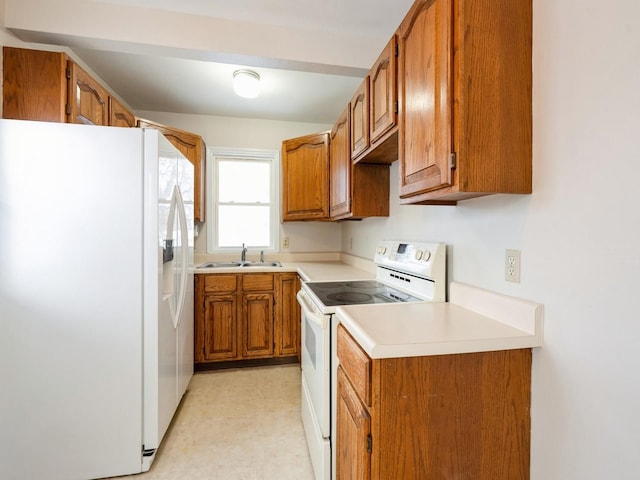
(243, 255)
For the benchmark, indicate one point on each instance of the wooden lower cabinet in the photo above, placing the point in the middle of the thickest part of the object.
(354, 433)
(463, 416)
(248, 316)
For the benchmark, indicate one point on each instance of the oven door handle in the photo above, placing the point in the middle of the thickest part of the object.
(309, 311)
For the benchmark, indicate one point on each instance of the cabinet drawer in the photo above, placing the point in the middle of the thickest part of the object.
(257, 281)
(220, 283)
(356, 364)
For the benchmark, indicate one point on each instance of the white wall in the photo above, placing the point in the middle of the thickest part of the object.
(579, 234)
(231, 132)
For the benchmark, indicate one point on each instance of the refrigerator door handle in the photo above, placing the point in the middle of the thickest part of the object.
(184, 251)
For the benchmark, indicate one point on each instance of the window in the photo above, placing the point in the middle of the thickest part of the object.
(242, 206)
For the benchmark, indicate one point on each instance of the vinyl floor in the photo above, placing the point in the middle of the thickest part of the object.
(236, 424)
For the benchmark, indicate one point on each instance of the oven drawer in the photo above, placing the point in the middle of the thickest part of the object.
(355, 363)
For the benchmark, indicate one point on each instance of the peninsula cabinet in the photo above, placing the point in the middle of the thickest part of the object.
(192, 146)
(305, 178)
(463, 416)
(356, 190)
(49, 86)
(247, 316)
(465, 100)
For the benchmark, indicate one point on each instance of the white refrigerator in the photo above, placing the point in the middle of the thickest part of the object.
(96, 297)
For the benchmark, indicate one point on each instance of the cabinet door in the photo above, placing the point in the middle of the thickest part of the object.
(119, 116)
(219, 328)
(194, 149)
(360, 119)
(383, 92)
(287, 325)
(257, 329)
(305, 178)
(353, 458)
(34, 85)
(340, 160)
(424, 63)
(88, 100)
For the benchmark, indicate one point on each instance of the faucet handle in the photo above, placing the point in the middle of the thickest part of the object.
(261, 256)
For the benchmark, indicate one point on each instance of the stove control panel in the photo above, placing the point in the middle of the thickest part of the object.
(420, 258)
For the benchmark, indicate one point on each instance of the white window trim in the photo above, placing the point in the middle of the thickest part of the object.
(212, 193)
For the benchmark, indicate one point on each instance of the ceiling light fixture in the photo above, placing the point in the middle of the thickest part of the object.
(246, 83)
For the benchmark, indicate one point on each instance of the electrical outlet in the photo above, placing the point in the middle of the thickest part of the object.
(285, 242)
(512, 266)
(350, 243)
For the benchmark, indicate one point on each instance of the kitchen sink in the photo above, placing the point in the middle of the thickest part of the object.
(239, 264)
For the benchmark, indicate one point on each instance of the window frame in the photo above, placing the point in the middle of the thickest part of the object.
(215, 153)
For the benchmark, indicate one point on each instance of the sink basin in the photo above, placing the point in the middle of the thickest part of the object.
(239, 264)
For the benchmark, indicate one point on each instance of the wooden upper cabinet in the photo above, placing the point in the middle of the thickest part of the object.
(357, 190)
(383, 92)
(193, 147)
(379, 130)
(119, 116)
(34, 85)
(465, 100)
(88, 100)
(425, 97)
(305, 178)
(49, 86)
(340, 163)
(360, 119)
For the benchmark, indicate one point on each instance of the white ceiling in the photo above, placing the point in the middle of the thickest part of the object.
(169, 78)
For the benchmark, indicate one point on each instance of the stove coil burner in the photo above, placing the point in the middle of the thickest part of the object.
(365, 284)
(349, 297)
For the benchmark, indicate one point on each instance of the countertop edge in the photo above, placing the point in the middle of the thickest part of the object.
(522, 318)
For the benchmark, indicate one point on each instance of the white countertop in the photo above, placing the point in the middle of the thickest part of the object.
(475, 320)
(321, 271)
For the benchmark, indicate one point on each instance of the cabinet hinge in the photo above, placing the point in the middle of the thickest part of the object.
(369, 443)
(452, 161)
(67, 109)
(397, 50)
(68, 73)
(395, 107)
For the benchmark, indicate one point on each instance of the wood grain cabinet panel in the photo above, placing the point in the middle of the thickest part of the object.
(119, 116)
(305, 178)
(353, 457)
(89, 101)
(258, 317)
(193, 147)
(383, 92)
(443, 416)
(220, 328)
(287, 321)
(381, 108)
(357, 190)
(340, 167)
(465, 100)
(51, 87)
(360, 119)
(251, 316)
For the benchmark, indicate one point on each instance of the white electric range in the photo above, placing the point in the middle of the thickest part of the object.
(405, 272)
